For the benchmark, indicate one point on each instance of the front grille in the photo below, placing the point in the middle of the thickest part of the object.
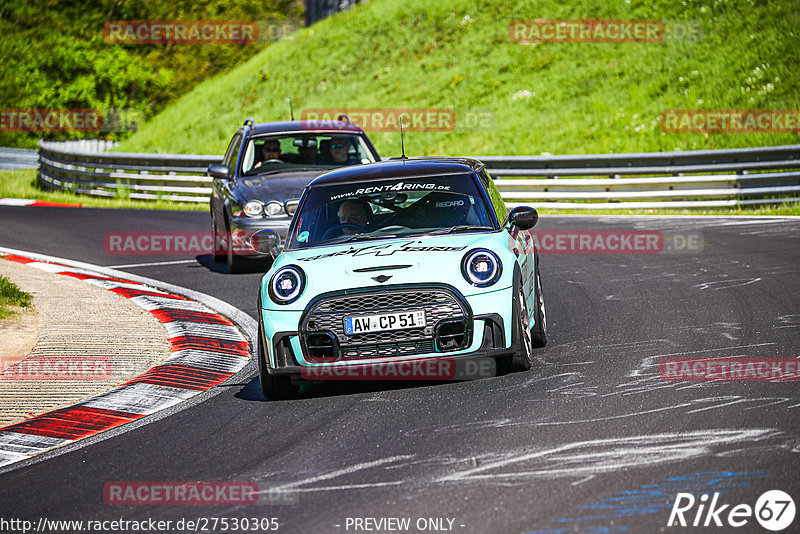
(328, 312)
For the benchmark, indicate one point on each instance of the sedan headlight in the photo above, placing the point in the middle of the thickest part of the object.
(274, 208)
(287, 284)
(254, 208)
(481, 267)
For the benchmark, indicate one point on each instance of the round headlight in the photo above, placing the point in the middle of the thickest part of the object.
(254, 208)
(287, 284)
(274, 208)
(481, 267)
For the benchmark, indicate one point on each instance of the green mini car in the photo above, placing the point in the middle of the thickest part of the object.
(394, 269)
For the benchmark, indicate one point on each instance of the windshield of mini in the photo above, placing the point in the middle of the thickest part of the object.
(394, 208)
(288, 151)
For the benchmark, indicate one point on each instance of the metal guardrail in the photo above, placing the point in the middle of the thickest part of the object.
(692, 179)
(18, 158)
(172, 177)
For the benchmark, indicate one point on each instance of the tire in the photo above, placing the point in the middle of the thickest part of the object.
(523, 353)
(217, 251)
(274, 387)
(232, 261)
(539, 330)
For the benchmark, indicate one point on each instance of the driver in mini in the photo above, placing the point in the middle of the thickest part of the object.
(352, 212)
(271, 149)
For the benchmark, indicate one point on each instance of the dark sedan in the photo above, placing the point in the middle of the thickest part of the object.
(264, 171)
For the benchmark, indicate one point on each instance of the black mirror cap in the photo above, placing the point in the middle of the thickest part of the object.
(218, 170)
(265, 242)
(523, 217)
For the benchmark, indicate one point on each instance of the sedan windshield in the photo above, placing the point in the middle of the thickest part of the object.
(340, 213)
(284, 152)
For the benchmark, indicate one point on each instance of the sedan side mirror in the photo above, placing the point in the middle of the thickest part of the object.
(523, 217)
(266, 241)
(218, 170)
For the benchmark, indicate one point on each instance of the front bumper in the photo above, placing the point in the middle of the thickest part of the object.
(244, 227)
(296, 339)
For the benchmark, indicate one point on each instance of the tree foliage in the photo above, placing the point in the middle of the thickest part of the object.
(53, 55)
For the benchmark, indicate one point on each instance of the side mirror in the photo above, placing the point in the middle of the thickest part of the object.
(523, 217)
(266, 241)
(218, 170)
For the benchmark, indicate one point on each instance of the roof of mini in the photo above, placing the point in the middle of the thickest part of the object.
(398, 168)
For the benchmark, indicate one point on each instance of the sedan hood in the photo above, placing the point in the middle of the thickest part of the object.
(280, 186)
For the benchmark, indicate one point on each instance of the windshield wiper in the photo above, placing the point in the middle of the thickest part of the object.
(365, 237)
(460, 228)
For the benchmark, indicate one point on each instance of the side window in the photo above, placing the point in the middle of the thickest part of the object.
(233, 150)
(494, 196)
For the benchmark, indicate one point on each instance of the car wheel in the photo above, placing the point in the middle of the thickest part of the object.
(218, 249)
(273, 387)
(539, 330)
(233, 262)
(523, 355)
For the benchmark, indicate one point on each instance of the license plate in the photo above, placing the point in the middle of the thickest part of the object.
(363, 324)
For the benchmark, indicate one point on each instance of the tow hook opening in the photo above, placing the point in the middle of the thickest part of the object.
(450, 335)
(322, 346)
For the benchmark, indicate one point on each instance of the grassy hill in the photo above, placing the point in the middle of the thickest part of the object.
(548, 97)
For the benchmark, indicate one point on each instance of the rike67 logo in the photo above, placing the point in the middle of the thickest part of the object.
(774, 510)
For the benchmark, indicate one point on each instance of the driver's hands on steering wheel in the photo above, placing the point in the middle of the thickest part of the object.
(257, 165)
(340, 227)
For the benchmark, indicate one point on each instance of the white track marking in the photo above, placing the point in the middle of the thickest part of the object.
(344, 471)
(216, 331)
(205, 359)
(734, 283)
(151, 302)
(139, 398)
(592, 457)
(152, 264)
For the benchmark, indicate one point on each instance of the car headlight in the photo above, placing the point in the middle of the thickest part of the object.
(287, 284)
(254, 208)
(481, 267)
(273, 208)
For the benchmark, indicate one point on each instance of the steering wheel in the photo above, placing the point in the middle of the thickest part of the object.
(329, 232)
(260, 163)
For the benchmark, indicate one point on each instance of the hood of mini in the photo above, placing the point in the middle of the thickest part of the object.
(390, 262)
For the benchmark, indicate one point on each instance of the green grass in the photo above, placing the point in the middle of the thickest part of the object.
(779, 210)
(23, 184)
(11, 297)
(573, 98)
